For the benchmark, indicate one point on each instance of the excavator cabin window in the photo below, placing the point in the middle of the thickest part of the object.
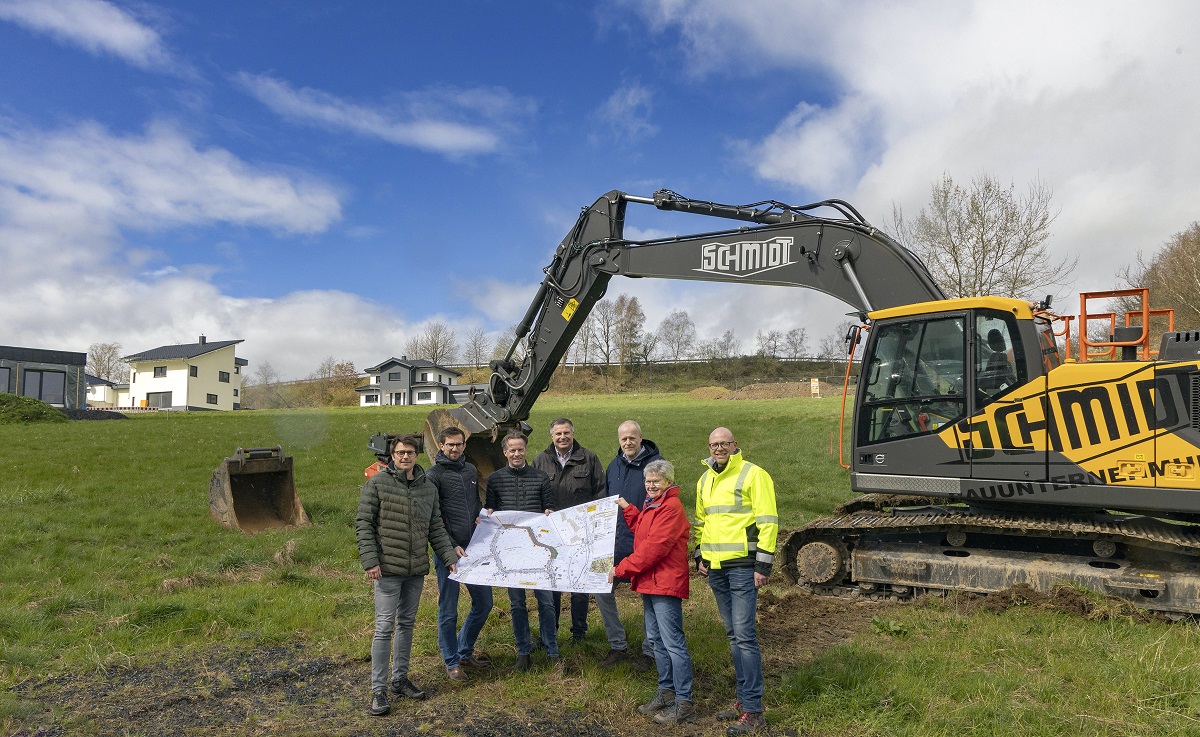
(915, 379)
(997, 345)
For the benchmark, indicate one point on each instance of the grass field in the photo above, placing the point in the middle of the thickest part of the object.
(109, 560)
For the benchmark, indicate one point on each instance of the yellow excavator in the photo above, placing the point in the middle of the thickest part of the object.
(984, 459)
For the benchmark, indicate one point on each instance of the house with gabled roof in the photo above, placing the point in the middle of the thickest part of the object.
(399, 381)
(205, 375)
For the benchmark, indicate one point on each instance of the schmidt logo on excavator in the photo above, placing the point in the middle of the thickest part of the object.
(746, 258)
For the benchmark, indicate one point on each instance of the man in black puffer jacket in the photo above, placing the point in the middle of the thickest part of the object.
(398, 519)
(458, 492)
(519, 487)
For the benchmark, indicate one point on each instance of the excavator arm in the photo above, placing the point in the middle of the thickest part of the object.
(774, 243)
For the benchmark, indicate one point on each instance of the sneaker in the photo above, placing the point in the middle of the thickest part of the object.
(642, 663)
(522, 662)
(614, 657)
(748, 723)
(456, 674)
(677, 713)
(730, 714)
(477, 659)
(407, 689)
(662, 700)
(379, 703)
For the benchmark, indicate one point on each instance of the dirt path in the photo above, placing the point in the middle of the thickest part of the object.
(285, 690)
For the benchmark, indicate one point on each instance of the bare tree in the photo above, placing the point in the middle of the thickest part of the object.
(263, 391)
(794, 343)
(630, 319)
(1173, 277)
(769, 343)
(602, 322)
(476, 350)
(104, 361)
(677, 333)
(435, 343)
(833, 346)
(986, 240)
(504, 341)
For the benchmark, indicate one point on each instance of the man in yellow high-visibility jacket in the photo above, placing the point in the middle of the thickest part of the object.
(736, 529)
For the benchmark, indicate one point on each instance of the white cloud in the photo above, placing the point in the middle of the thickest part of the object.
(627, 111)
(97, 26)
(1097, 101)
(70, 278)
(451, 122)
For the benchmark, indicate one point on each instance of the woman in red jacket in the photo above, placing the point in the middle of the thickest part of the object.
(658, 569)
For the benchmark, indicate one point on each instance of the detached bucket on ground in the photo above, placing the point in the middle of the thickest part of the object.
(254, 490)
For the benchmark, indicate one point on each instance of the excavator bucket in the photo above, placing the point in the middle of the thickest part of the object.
(483, 444)
(254, 490)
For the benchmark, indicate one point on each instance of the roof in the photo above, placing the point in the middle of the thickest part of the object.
(95, 380)
(367, 388)
(186, 350)
(39, 355)
(415, 363)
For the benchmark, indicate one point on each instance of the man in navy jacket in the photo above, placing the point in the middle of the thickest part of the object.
(625, 478)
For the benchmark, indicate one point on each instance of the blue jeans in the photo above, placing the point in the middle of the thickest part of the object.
(396, 600)
(547, 623)
(607, 604)
(737, 601)
(664, 630)
(456, 647)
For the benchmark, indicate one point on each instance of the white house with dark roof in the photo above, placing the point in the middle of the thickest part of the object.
(399, 381)
(101, 393)
(193, 376)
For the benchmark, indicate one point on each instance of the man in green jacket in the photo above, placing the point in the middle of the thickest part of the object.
(398, 519)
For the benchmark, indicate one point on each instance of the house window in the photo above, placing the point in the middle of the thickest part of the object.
(235, 392)
(439, 378)
(375, 379)
(160, 372)
(193, 371)
(5, 377)
(424, 396)
(237, 369)
(424, 376)
(48, 386)
(371, 398)
(211, 398)
(223, 376)
(395, 376)
(158, 399)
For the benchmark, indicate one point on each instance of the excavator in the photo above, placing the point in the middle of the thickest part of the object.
(983, 459)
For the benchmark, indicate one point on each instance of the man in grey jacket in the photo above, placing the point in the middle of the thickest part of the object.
(577, 476)
(398, 519)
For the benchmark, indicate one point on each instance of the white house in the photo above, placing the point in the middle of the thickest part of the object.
(401, 381)
(101, 393)
(193, 376)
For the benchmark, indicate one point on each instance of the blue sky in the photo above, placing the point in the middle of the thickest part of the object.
(323, 179)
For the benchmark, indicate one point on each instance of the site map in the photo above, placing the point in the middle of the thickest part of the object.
(568, 550)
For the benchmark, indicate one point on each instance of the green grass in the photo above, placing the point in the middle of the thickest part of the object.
(108, 557)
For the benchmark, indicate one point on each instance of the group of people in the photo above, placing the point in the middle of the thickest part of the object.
(404, 510)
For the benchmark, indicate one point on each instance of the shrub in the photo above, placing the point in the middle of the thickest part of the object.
(15, 409)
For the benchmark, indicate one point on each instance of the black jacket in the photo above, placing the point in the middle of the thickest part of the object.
(581, 480)
(626, 479)
(526, 489)
(458, 492)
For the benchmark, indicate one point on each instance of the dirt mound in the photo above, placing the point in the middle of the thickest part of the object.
(783, 390)
(1064, 598)
(93, 414)
(710, 392)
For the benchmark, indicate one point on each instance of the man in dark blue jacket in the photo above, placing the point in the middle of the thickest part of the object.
(625, 478)
(458, 491)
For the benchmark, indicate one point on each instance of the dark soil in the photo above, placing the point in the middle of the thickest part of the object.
(1064, 598)
(93, 414)
(283, 689)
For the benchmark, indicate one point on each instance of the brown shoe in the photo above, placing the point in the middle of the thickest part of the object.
(614, 657)
(456, 674)
(477, 660)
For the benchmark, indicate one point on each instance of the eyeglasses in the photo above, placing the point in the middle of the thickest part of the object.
(455, 445)
(404, 452)
(722, 444)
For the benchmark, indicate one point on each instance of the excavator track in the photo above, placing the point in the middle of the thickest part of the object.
(878, 550)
